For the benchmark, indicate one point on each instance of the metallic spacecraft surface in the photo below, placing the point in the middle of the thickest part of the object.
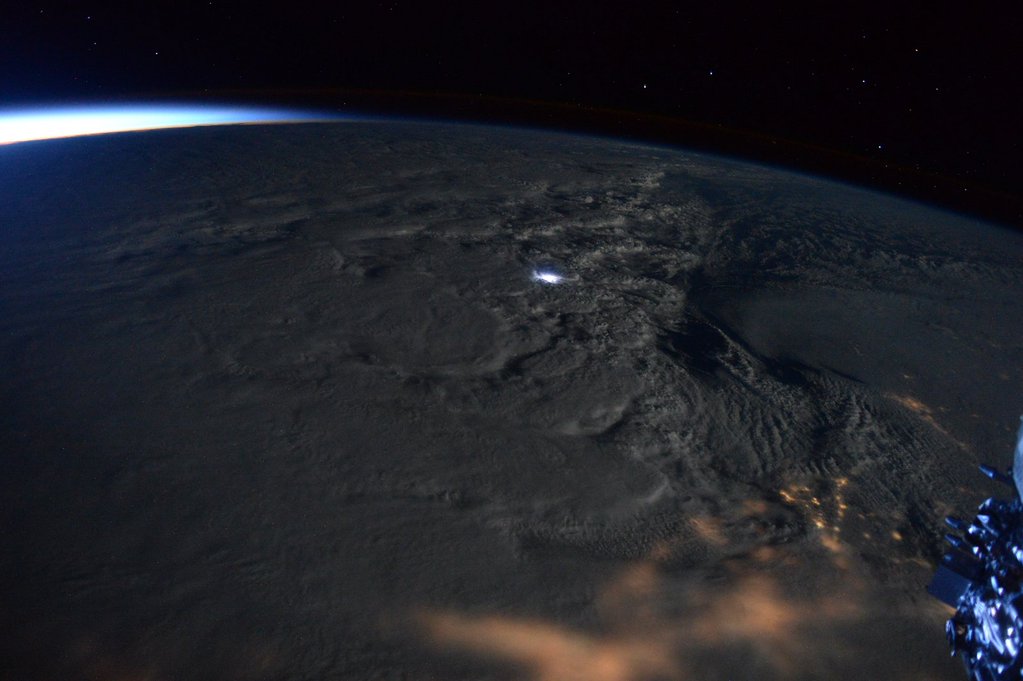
(982, 578)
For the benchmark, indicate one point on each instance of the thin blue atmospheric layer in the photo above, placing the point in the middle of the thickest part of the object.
(29, 124)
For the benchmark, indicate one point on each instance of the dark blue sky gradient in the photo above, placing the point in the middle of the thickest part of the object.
(915, 88)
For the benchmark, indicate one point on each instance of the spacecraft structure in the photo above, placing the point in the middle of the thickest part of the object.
(982, 578)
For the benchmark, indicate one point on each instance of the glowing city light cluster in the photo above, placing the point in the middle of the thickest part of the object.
(23, 125)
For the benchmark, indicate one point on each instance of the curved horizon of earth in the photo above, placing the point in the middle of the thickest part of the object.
(291, 402)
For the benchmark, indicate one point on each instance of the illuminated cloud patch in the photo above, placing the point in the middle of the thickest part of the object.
(805, 608)
(23, 125)
(547, 277)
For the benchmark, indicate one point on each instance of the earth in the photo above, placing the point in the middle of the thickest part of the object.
(400, 400)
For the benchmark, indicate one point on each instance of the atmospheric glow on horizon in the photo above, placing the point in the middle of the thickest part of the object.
(25, 125)
(548, 277)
